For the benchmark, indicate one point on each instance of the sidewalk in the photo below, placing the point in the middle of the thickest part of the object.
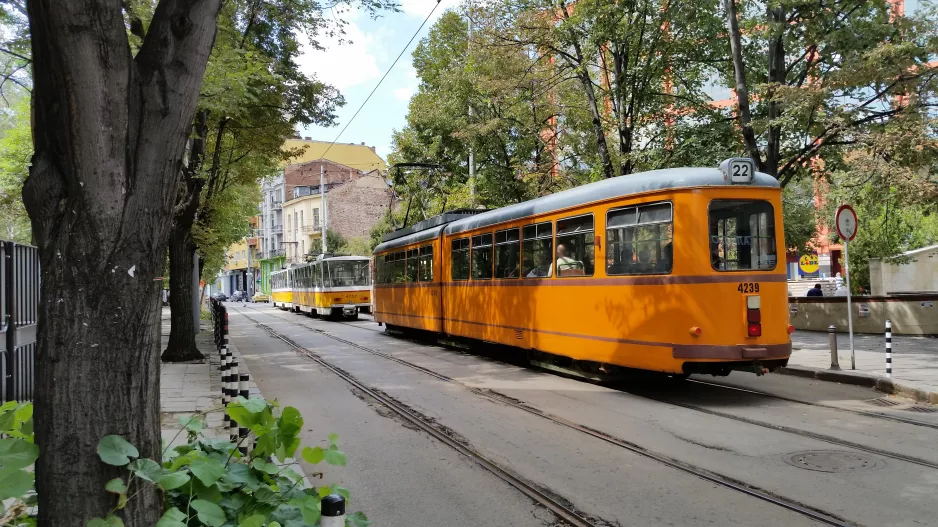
(914, 362)
(189, 388)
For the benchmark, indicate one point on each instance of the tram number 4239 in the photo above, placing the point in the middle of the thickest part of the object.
(748, 287)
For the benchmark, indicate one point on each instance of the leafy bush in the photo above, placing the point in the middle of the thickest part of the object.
(205, 482)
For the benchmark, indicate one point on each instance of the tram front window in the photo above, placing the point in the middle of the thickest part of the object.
(347, 273)
(742, 235)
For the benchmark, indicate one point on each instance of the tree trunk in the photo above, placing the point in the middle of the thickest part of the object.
(109, 132)
(181, 346)
(776, 71)
(742, 90)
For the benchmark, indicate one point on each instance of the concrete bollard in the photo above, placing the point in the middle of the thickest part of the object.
(889, 348)
(832, 337)
(333, 511)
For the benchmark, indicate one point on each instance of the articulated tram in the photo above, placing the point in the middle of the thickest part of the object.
(673, 270)
(330, 286)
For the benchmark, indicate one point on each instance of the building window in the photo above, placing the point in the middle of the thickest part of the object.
(412, 265)
(460, 259)
(302, 247)
(426, 263)
(575, 246)
(639, 240)
(508, 253)
(316, 217)
(537, 250)
(301, 219)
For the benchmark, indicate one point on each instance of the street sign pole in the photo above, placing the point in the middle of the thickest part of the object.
(853, 356)
(846, 221)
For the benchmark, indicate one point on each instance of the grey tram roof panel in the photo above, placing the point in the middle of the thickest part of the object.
(670, 178)
(429, 223)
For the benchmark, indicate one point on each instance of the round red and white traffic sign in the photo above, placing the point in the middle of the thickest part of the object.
(846, 220)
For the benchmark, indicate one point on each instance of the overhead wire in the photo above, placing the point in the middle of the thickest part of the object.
(401, 54)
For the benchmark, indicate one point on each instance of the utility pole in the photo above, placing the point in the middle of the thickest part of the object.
(322, 201)
(472, 164)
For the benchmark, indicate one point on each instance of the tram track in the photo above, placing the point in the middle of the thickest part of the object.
(532, 492)
(875, 415)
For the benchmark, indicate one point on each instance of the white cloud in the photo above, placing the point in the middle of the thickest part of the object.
(343, 65)
(404, 93)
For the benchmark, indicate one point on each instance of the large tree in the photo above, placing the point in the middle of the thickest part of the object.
(109, 132)
(812, 77)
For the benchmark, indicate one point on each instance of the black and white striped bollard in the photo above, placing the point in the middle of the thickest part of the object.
(333, 511)
(243, 391)
(224, 380)
(233, 396)
(889, 348)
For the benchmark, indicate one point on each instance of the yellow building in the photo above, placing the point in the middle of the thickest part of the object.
(302, 228)
(357, 156)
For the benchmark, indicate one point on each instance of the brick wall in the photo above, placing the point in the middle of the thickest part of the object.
(355, 207)
(307, 174)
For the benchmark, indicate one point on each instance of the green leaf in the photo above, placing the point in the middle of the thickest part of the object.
(243, 475)
(255, 405)
(313, 455)
(115, 450)
(191, 423)
(254, 521)
(173, 480)
(14, 482)
(241, 415)
(207, 470)
(333, 438)
(342, 491)
(357, 519)
(274, 524)
(172, 518)
(7, 418)
(17, 453)
(209, 513)
(146, 469)
(334, 456)
(264, 466)
(116, 486)
(309, 508)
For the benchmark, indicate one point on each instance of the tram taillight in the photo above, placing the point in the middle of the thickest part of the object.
(754, 316)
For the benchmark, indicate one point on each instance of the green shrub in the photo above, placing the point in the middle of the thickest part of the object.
(205, 482)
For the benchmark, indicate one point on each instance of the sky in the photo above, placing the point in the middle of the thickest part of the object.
(355, 67)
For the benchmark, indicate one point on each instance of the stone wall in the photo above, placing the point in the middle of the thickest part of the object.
(910, 314)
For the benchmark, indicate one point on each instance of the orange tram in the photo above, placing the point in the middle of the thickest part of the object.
(673, 271)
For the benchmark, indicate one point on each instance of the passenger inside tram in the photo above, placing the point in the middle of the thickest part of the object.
(544, 267)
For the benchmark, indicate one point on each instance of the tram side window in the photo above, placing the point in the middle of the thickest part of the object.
(482, 257)
(400, 267)
(742, 235)
(537, 250)
(426, 263)
(460, 259)
(412, 265)
(640, 240)
(575, 246)
(508, 253)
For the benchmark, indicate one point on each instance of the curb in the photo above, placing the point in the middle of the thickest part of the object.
(881, 384)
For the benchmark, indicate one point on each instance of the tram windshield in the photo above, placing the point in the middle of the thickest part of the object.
(347, 273)
(742, 235)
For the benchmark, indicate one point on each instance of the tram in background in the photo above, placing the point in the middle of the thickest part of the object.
(330, 286)
(670, 270)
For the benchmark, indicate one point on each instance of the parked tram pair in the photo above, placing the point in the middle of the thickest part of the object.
(673, 270)
(330, 286)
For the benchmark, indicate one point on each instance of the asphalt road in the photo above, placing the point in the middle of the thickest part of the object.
(816, 444)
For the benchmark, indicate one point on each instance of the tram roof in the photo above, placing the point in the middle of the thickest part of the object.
(653, 180)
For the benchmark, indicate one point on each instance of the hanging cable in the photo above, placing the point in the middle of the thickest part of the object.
(401, 54)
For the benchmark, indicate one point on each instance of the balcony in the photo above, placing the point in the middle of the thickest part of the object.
(277, 229)
(274, 253)
(276, 205)
(310, 229)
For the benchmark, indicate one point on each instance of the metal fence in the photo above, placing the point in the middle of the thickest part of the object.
(19, 311)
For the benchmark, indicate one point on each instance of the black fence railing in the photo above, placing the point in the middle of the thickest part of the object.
(19, 313)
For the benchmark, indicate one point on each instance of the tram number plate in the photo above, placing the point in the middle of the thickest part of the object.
(748, 287)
